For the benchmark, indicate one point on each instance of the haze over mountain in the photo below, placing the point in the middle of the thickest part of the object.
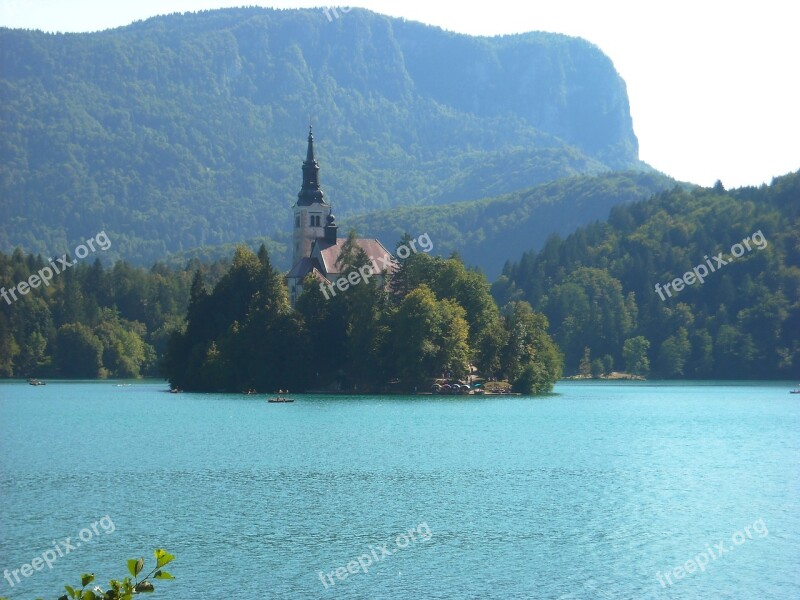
(189, 130)
(488, 233)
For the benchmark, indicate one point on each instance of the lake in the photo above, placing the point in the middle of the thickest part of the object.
(600, 490)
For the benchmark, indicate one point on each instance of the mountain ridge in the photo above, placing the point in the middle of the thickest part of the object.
(187, 130)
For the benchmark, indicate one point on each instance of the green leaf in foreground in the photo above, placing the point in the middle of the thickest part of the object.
(163, 557)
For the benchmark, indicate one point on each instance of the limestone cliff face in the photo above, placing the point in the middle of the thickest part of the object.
(560, 85)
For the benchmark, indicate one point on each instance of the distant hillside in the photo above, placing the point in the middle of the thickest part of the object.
(188, 130)
(737, 316)
(487, 233)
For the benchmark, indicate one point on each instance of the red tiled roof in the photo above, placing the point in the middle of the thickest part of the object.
(329, 254)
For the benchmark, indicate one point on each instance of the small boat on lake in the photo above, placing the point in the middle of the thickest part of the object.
(796, 390)
(280, 399)
(34, 381)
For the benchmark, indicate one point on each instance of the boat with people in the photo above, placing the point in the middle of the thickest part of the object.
(280, 398)
(34, 381)
(796, 390)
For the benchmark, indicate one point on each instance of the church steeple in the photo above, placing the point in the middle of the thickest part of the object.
(313, 220)
(311, 191)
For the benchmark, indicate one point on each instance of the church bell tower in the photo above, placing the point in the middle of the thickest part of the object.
(311, 213)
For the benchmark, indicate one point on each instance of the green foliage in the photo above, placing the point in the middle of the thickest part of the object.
(430, 338)
(673, 354)
(432, 319)
(91, 321)
(533, 362)
(78, 351)
(128, 587)
(240, 336)
(486, 232)
(597, 285)
(587, 309)
(186, 131)
(634, 354)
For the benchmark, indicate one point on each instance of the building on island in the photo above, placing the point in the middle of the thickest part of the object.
(315, 243)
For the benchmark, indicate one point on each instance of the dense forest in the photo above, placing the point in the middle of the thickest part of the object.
(186, 131)
(597, 286)
(91, 321)
(486, 233)
(432, 319)
(436, 318)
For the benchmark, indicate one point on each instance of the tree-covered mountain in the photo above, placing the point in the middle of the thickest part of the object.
(486, 233)
(188, 130)
(737, 317)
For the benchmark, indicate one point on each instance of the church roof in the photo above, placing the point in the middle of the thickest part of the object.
(329, 253)
(303, 267)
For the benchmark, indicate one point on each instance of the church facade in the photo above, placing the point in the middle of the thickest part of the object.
(315, 243)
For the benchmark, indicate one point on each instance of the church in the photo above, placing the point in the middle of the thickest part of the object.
(315, 243)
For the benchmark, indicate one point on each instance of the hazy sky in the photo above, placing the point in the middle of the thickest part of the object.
(713, 86)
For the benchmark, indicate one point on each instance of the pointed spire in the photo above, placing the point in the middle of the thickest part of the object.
(310, 153)
(311, 192)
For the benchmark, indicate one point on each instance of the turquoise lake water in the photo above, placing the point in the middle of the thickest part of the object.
(595, 491)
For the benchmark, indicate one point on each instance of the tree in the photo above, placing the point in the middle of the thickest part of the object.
(398, 282)
(597, 368)
(589, 309)
(585, 367)
(79, 351)
(634, 354)
(223, 346)
(489, 349)
(413, 337)
(429, 338)
(673, 354)
(8, 349)
(529, 345)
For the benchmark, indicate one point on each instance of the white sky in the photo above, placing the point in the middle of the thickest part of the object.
(714, 86)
